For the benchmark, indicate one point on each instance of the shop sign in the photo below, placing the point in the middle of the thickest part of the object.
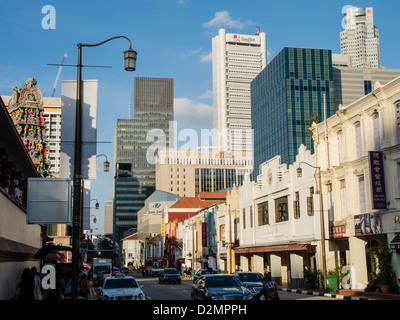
(377, 180)
(204, 234)
(370, 223)
(337, 231)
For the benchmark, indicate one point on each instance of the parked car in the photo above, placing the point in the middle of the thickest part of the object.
(169, 275)
(121, 287)
(254, 281)
(203, 272)
(220, 287)
(125, 270)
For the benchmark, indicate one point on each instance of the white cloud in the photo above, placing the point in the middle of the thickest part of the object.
(223, 19)
(206, 57)
(189, 114)
(206, 95)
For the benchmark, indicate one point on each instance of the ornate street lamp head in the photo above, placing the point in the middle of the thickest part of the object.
(130, 59)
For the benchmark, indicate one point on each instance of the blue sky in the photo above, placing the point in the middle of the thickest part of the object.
(173, 40)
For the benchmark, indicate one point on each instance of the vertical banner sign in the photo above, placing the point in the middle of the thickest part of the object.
(204, 234)
(377, 180)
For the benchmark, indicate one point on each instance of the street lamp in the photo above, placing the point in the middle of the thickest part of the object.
(299, 175)
(94, 219)
(106, 164)
(130, 65)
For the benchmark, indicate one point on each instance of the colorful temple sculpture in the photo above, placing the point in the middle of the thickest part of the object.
(26, 110)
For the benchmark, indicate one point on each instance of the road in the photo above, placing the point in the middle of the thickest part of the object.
(155, 291)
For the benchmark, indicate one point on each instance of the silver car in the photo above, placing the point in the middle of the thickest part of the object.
(121, 288)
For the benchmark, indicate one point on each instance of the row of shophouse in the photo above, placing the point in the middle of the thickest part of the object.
(347, 193)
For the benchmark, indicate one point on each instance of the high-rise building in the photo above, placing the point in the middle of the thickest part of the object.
(237, 59)
(187, 172)
(135, 172)
(286, 97)
(351, 84)
(360, 38)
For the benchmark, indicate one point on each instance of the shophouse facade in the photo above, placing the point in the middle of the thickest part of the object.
(279, 221)
(358, 150)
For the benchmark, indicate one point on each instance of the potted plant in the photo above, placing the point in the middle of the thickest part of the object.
(383, 259)
(311, 278)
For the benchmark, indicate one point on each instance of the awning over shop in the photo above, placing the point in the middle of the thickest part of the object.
(395, 243)
(280, 248)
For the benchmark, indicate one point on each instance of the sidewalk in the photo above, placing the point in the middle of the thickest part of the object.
(346, 294)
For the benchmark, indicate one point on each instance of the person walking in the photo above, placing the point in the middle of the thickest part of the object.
(84, 286)
(26, 287)
(67, 283)
(36, 279)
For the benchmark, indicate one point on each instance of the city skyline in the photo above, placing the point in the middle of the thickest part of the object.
(185, 54)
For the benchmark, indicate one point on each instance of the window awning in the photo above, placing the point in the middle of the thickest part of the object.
(280, 248)
(395, 243)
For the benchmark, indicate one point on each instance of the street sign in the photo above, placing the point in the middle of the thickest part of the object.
(84, 246)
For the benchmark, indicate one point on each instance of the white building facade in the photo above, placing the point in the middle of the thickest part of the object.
(358, 150)
(279, 221)
(237, 59)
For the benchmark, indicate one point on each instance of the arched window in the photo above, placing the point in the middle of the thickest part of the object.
(357, 132)
(375, 126)
(397, 110)
(340, 146)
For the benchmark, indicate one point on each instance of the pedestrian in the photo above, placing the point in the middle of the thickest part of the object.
(26, 287)
(84, 286)
(37, 288)
(67, 283)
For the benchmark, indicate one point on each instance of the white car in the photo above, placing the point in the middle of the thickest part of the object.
(121, 288)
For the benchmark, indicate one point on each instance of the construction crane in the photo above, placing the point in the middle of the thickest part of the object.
(58, 74)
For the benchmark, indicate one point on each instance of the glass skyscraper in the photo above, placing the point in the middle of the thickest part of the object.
(286, 97)
(135, 175)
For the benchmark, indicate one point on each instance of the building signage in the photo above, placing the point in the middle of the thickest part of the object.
(204, 234)
(377, 180)
(337, 231)
(369, 223)
(240, 38)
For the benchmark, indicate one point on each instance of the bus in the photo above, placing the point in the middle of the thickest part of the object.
(155, 265)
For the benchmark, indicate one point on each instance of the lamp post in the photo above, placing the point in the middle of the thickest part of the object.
(130, 65)
(321, 209)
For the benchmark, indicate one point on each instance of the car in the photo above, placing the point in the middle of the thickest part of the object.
(115, 271)
(121, 287)
(202, 272)
(254, 281)
(219, 287)
(125, 270)
(169, 275)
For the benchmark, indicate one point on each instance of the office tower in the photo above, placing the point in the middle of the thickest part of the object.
(360, 38)
(237, 59)
(188, 172)
(108, 216)
(350, 84)
(135, 174)
(286, 97)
